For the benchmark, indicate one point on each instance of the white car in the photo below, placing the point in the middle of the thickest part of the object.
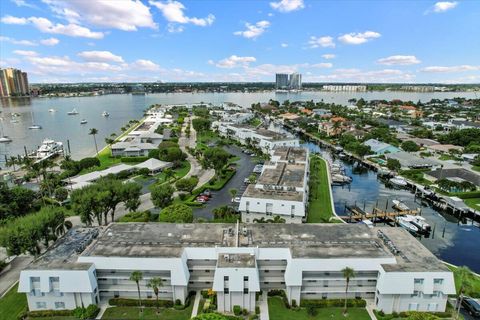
(236, 199)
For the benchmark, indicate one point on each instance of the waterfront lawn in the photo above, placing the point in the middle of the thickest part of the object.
(127, 313)
(278, 311)
(473, 287)
(473, 203)
(319, 206)
(12, 304)
(476, 168)
(416, 175)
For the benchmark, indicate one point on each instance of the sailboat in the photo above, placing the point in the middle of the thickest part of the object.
(34, 126)
(4, 138)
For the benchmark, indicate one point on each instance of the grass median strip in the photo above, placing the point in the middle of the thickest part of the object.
(319, 203)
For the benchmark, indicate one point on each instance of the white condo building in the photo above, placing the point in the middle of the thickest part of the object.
(281, 189)
(393, 270)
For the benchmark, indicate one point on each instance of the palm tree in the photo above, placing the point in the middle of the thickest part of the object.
(233, 192)
(137, 276)
(93, 132)
(348, 273)
(465, 275)
(155, 283)
(11, 162)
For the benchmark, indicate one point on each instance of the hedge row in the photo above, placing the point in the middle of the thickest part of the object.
(466, 195)
(49, 313)
(124, 302)
(280, 293)
(382, 316)
(133, 159)
(326, 303)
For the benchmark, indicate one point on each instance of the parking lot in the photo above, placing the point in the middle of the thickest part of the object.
(222, 197)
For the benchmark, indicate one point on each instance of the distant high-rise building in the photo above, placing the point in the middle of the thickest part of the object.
(295, 82)
(281, 81)
(13, 82)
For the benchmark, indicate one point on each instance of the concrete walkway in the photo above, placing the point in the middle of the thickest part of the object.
(10, 275)
(263, 301)
(370, 306)
(103, 307)
(198, 295)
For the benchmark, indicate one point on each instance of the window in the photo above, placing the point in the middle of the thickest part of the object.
(59, 305)
(207, 271)
(245, 278)
(245, 290)
(437, 294)
(267, 271)
(437, 281)
(225, 278)
(415, 294)
(225, 290)
(41, 305)
(418, 281)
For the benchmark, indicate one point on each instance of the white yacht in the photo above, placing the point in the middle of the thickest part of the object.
(105, 114)
(399, 205)
(35, 127)
(73, 112)
(52, 110)
(83, 121)
(419, 222)
(398, 182)
(48, 148)
(407, 224)
(5, 139)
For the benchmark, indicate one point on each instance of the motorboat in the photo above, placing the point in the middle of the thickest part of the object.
(74, 112)
(407, 224)
(48, 148)
(420, 222)
(398, 182)
(105, 114)
(35, 127)
(341, 179)
(5, 139)
(52, 110)
(399, 205)
(368, 223)
(83, 121)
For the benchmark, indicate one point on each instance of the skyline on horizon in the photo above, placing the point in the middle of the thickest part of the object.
(235, 41)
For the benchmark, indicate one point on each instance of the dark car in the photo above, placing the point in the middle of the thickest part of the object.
(471, 306)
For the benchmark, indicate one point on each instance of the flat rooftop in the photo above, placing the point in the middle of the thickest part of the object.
(284, 174)
(252, 192)
(296, 154)
(315, 241)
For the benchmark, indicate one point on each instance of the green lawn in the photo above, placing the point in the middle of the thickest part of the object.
(12, 304)
(476, 168)
(127, 313)
(320, 207)
(473, 203)
(445, 157)
(474, 284)
(277, 311)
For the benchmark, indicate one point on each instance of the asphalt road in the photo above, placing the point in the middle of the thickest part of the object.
(222, 197)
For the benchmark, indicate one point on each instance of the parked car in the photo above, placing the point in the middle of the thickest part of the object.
(236, 199)
(471, 306)
(206, 193)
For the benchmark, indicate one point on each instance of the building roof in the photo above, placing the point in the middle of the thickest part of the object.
(408, 160)
(153, 164)
(444, 147)
(378, 146)
(456, 173)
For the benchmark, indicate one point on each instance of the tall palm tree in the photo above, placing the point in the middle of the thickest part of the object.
(348, 273)
(155, 283)
(233, 192)
(137, 276)
(11, 162)
(465, 275)
(93, 132)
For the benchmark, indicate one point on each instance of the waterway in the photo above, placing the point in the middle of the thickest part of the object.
(452, 242)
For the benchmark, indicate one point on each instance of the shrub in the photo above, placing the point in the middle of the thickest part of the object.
(178, 302)
(144, 216)
(312, 311)
(325, 303)
(237, 310)
(294, 303)
(89, 312)
(86, 163)
(124, 302)
(133, 159)
(49, 313)
(176, 213)
(245, 312)
(257, 310)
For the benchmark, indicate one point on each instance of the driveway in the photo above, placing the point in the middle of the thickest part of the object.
(222, 197)
(12, 272)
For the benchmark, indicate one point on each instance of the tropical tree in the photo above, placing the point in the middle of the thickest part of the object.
(161, 195)
(348, 273)
(11, 162)
(155, 283)
(93, 132)
(464, 274)
(233, 192)
(137, 276)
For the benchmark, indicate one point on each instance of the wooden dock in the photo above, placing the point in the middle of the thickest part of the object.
(357, 214)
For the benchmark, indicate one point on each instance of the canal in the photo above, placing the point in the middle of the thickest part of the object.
(451, 241)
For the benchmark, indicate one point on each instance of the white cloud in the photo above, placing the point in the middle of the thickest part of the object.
(322, 65)
(13, 20)
(328, 56)
(100, 56)
(23, 3)
(451, 69)
(18, 42)
(358, 38)
(174, 28)
(399, 60)
(145, 65)
(27, 53)
(72, 30)
(50, 42)
(172, 11)
(287, 5)
(284, 45)
(443, 6)
(253, 30)
(234, 62)
(126, 15)
(325, 42)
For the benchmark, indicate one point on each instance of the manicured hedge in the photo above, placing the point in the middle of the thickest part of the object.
(467, 195)
(49, 313)
(123, 302)
(133, 159)
(327, 303)
(428, 315)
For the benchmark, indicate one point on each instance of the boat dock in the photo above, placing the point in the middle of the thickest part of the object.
(357, 214)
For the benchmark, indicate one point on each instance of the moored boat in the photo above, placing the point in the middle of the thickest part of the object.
(398, 182)
(406, 224)
(420, 223)
(73, 112)
(83, 121)
(399, 205)
(105, 114)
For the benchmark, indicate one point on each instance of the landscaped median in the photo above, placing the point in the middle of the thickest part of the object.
(320, 199)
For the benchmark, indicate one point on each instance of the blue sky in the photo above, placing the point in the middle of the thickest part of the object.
(158, 40)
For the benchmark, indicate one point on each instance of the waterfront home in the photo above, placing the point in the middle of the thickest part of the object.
(394, 272)
(379, 147)
(392, 124)
(444, 148)
(280, 190)
(410, 161)
(454, 174)
(463, 124)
